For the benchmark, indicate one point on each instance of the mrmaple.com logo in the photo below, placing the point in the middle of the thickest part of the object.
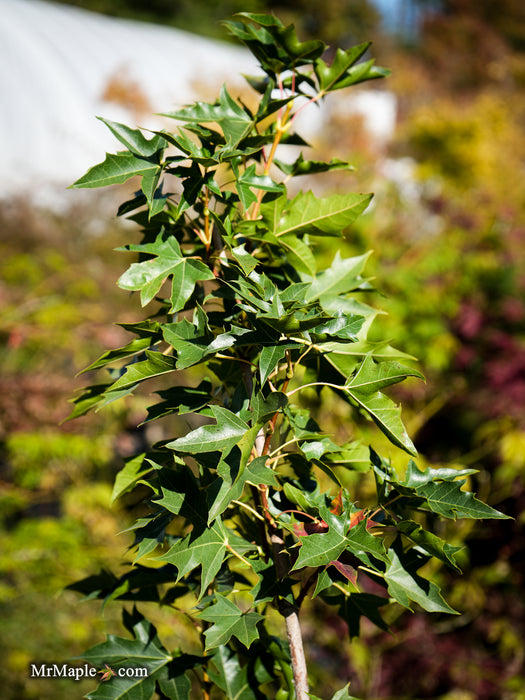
(77, 673)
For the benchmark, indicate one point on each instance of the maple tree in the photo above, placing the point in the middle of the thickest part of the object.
(249, 511)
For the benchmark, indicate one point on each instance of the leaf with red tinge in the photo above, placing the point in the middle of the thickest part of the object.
(346, 570)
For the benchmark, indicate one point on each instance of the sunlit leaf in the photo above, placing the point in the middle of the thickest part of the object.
(228, 620)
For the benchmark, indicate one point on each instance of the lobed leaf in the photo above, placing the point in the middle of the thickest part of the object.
(116, 169)
(228, 621)
(169, 260)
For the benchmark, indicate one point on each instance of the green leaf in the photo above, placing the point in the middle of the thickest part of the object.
(269, 359)
(134, 347)
(88, 398)
(176, 688)
(228, 621)
(343, 72)
(155, 365)
(222, 436)
(321, 549)
(206, 549)
(387, 416)
(149, 275)
(405, 585)
(343, 276)
(136, 467)
(275, 46)
(430, 543)
(173, 681)
(249, 181)
(378, 350)
(341, 326)
(298, 252)
(180, 400)
(134, 139)
(363, 390)
(308, 214)
(117, 650)
(116, 169)
(229, 486)
(265, 408)
(373, 376)
(245, 260)
(234, 121)
(124, 689)
(230, 676)
(414, 478)
(448, 500)
(144, 651)
(339, 695)
(311, 167)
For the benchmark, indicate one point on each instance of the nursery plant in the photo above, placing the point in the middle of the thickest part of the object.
(248, 510)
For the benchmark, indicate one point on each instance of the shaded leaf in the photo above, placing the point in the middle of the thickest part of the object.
(430, 543)
(135, 468)
(405, 585)
(230, 676)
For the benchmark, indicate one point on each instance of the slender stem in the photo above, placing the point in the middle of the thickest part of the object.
(282, 127)
(249, 508)
(285, 444)
(300, 512)
(295, 640)
(207, 233)
(291, 617)
(239, 556)
(305, 386)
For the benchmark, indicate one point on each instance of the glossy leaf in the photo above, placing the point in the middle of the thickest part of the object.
(308, 214)
(134, 347)
(224, 435)
(230, 677)
(235, 122)
(253, 496)
(206, 549)
(134, 469)
(343, 276)
(155, 365)
(343, 71)
(149, 275)
(134, 139)
(116, 169)
(229, 621)
(405, 585)
(430, 543)
(321, 549)
(449, 500)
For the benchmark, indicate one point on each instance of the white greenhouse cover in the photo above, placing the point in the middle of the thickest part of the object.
(61, 66)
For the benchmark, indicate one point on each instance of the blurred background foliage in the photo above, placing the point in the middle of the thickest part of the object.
(448, 231)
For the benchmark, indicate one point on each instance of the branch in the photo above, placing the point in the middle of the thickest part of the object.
(291, 618)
